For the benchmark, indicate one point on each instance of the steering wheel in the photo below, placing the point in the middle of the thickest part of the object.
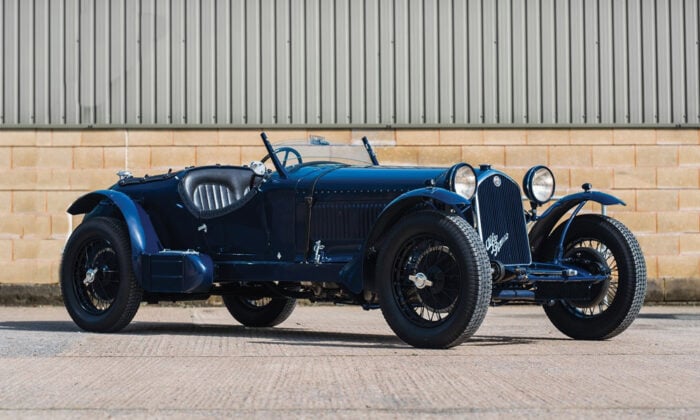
(287, 151)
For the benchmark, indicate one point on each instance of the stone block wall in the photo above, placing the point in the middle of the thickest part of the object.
(655, 171)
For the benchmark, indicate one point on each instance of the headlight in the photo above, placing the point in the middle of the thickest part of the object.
(463, 180)
(539, 184)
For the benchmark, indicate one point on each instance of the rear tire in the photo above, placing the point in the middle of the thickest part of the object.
(616, 303)
(264, 312)
(447, 252)
(97, 279)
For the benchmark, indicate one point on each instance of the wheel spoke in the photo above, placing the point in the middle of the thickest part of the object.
(431, 305)
(98, 295)
(607, 258)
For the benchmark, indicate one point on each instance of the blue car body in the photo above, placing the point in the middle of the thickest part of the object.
(313, 229)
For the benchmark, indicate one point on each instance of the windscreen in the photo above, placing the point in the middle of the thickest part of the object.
(292, 153)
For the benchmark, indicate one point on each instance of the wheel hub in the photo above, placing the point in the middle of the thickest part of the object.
(420, 280)
(90, 276)
(593, 262)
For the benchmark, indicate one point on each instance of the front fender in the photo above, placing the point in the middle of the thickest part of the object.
(144, 239)
(396, 209)
(546, 222)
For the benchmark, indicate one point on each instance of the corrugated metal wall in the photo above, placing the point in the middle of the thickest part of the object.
(349, 62)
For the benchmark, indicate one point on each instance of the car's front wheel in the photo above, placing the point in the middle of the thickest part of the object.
(433, 280)
(263, 312)
(600, 244)
(97, 280)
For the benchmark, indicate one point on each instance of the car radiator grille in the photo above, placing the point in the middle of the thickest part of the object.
(501, 220)
(343, 220)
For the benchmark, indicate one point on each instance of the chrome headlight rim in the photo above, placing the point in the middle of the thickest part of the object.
(533, 175)
(463, 180)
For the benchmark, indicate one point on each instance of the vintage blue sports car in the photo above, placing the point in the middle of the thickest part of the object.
(432, 247)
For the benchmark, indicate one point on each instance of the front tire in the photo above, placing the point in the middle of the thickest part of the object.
(447, 253)
(615, 304)
(97, 280)
(263, 312)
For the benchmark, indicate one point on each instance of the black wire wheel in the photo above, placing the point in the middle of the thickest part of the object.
(600, 245)
(433, 280)
(97, 282)
(261, 312)
(424, 259)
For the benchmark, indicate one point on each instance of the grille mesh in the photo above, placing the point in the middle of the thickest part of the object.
(343, 220)
(502, 220)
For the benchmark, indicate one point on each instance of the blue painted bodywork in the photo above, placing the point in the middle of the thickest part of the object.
(316, 222)
(177, 272)
(406, 201)
(145, 242)
(569, 201)
(143, 238)
(545, 223)
(273, 232)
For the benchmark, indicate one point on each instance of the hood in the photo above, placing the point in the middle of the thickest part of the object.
(379, 178)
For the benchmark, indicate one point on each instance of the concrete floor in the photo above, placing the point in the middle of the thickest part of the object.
(343, 362)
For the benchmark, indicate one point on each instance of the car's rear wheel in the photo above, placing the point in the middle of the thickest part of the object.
(598, 243)
(262, 312)
(433, 280)
(97, 280)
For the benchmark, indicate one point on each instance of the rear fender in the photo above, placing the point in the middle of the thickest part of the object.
(392, 213)
(549, 219)
(144, 239)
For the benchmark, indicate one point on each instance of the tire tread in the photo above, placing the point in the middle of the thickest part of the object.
(640, 268)
(483, 266)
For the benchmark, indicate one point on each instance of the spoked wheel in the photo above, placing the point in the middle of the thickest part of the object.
(262, 312)
(601, 245)
(426, 280)
(433, 279)
(98, 264)
(596, 258)
(97, 282)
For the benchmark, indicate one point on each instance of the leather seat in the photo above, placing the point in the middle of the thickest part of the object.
(213, 191)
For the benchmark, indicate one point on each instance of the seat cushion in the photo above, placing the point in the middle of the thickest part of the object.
(213, 191)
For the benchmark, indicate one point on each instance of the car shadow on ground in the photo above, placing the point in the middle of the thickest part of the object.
(40, 326)
(274, 336)
(307, 337)
(475, 341)
(674, 317)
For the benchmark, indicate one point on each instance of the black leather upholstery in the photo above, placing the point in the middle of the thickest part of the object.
(212, 191)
